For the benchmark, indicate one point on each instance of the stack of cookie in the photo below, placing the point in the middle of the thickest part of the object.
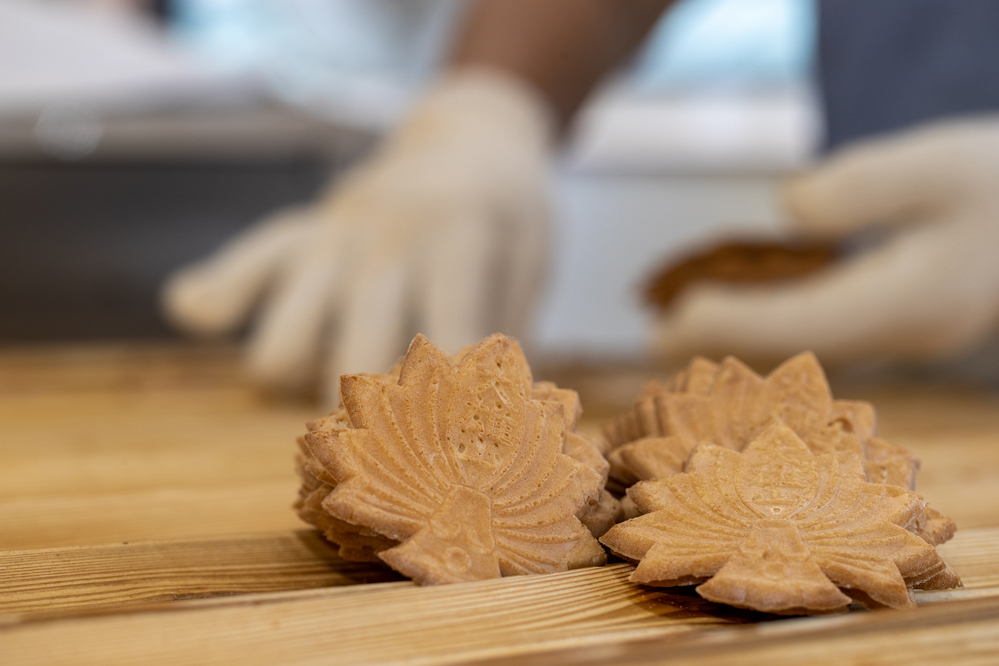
(457, 469)
(765, 492)
(770, 493)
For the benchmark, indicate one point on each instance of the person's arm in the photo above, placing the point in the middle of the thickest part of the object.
(562, 47)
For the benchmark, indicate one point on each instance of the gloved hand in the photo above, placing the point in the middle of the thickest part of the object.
(930, 291)
(446, 228)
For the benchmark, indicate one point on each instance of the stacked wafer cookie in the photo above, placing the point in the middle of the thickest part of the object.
(769, 494)
(765, 492)
(457, 469)
(727, 404)
(781, 529)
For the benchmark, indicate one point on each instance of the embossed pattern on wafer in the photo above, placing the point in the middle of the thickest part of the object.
(728, 404)
(779, 529)
(456, 471)
(362, 544)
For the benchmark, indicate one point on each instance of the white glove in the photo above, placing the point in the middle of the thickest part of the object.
(930, 291)
(445, 228)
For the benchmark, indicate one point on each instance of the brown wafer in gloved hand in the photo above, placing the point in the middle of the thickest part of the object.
(738, 263)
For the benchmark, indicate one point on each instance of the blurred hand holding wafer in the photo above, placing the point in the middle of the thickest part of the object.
(929, 291)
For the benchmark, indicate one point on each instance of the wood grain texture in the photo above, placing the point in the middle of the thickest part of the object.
(36, 583)
(120, 366)
(143, 442)
(168, 445)
(955, 433)
(447, 624)
(74, 520)
(961, 633)
(974, 554)
(377, 624)
(61, 581)
(102, 442)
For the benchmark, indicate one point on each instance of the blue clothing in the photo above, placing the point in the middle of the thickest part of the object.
(888, 64)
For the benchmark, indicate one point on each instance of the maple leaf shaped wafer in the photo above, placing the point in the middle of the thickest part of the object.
(359, 543)
(728, 404)
(356, 543)
(603, 512)
(458, 466)
(643, 420)
(780, 530)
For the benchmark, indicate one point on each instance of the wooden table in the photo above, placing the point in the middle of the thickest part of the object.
(145, 518)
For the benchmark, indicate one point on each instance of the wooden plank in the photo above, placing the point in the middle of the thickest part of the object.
(956, 434)
(451, 623)
(125, 366)
(963, 633)
(149, 443)
(112, 423)
(37, 583)
(218, 491)
(141, 443)
(166, 422)
(42, 522)
(53, 581)
(108, 442)
(974, 555)
(48, 476)
(373, 623)
(113, 420)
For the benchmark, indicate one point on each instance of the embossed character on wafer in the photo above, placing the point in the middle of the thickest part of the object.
(455, 471)
(779, 529)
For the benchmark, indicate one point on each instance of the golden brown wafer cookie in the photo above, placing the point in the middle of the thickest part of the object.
(597, 514)
(644, 419)
(738, 263)
(356, 543)
(458, 467)
(731, 405)
(602, 514)
(649, 458)
(778, 529)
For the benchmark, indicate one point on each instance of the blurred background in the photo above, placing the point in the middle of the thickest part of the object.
(135, 136)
